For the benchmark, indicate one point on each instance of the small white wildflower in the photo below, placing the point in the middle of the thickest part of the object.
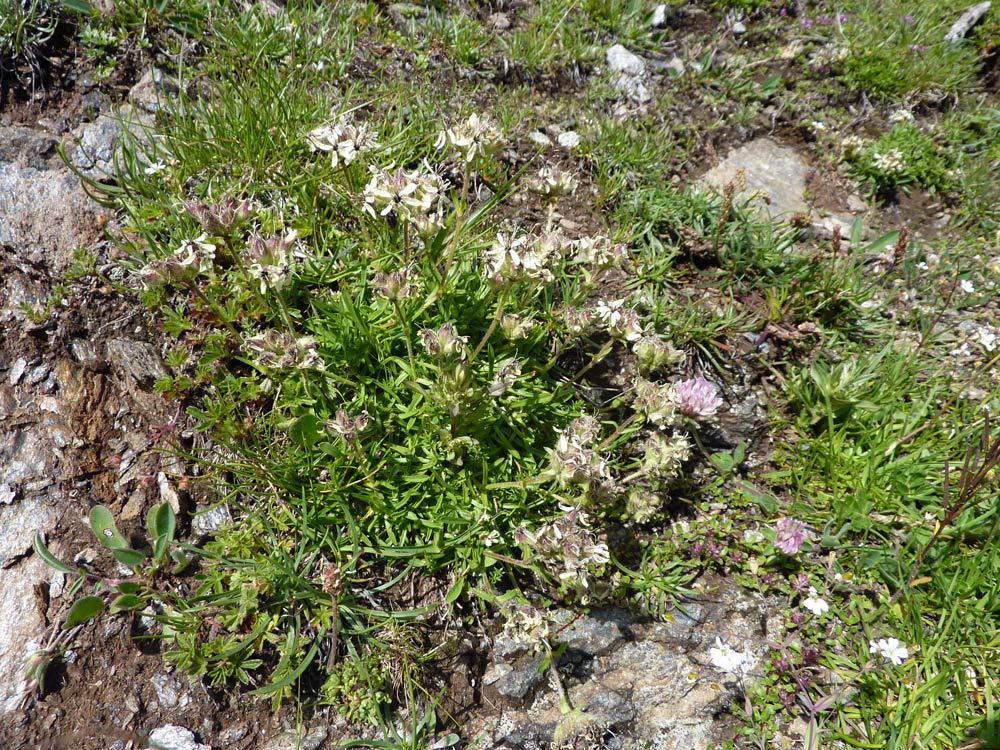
(155, 168)
(726, 658)
(197, 253)
(474, 139)
(569, 140)
(815, 604)
(967, 286)
(988, 339)
(619, 321)
(852, 145)
(818, 125)
(900, 115)
(890, 649)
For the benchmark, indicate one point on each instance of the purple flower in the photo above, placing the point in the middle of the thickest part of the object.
(909, 20)
(697, 398)
(791, 534)
(918, 48)
(807, 23)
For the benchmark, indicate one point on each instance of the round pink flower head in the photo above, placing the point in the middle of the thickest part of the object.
(790, 535)
(697, 398)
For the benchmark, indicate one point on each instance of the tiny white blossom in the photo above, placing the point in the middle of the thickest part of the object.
(726, 658)
(155, 168)
(967, 286)
(814, 603)
(890, 649)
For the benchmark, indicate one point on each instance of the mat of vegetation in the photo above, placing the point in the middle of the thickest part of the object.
(464, 340)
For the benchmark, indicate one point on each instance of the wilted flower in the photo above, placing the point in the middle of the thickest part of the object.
(395, 286)
(269, 259)
(275, 350)
(814, 603)
(619, 321)
(697, 398)
(573, 460)
(852, 146)
(890, 649)
(654, 353)
(599, 251)
(655, 401)
(505, 377)
(791, 533)
(444, 342)
(663, 457)
(516, 327)
(515, 257)
(348, 427)
(726, 658)
(569, 544)
(222, 216)
(577, 321)
(474, 139)
(642, 505)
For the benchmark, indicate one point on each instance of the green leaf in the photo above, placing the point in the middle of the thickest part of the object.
(83, 610)
(103, 524)
(161, 522)
(79, 6)
(767, 501)
(885, 241)
(129, 587)
(455, 591)
(307, 430)
(129, 557)
(51, 560)
(180, 559)
(127, 603)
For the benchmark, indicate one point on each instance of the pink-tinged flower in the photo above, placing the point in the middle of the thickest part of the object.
(791, 535)
(697, 398)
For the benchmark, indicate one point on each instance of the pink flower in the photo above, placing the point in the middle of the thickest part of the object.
(791, 535)
(697, 398)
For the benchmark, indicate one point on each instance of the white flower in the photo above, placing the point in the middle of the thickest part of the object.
(967, 286)
(155, 168)
(725, 658)
(474, 139)
(815, 604)
(197, 253)
(619, 321)
(890, 649)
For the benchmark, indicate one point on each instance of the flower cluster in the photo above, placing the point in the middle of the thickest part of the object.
(517, 257)
(890, 163)
(552, 182)
(791, 534)
(395, 286)
(663, 457)
(599, 251)
(274, 350)
(403, 195)
(268, 260)
(343, 140)
(474, 140)
(697, 398)
(444, 342)
(573, 460)
(618, 321)
(221, 217)
(505, 377)
(348, 427)
(653, 353)
(568, 546)
(655, 402)
(190, 259)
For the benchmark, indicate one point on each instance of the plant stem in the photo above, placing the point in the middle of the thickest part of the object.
(406, 336)
(493, 324)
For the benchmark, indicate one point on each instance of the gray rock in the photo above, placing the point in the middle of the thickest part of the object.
(20, 365)
(173, 737)
(99, 141)
(629, 74)
(151, 90)
(774, 181)
(137, 359)
(652, 684)
(45, 215)
(25, 147)
(208, 521)
(964, 24)
(170, 691)
(294, 741)
(739, 28)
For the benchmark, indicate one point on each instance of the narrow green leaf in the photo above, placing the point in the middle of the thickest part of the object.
(51, 560)
(83, 610)
(292, 676)
(103, 524)
(79, 6)
(455, 591)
